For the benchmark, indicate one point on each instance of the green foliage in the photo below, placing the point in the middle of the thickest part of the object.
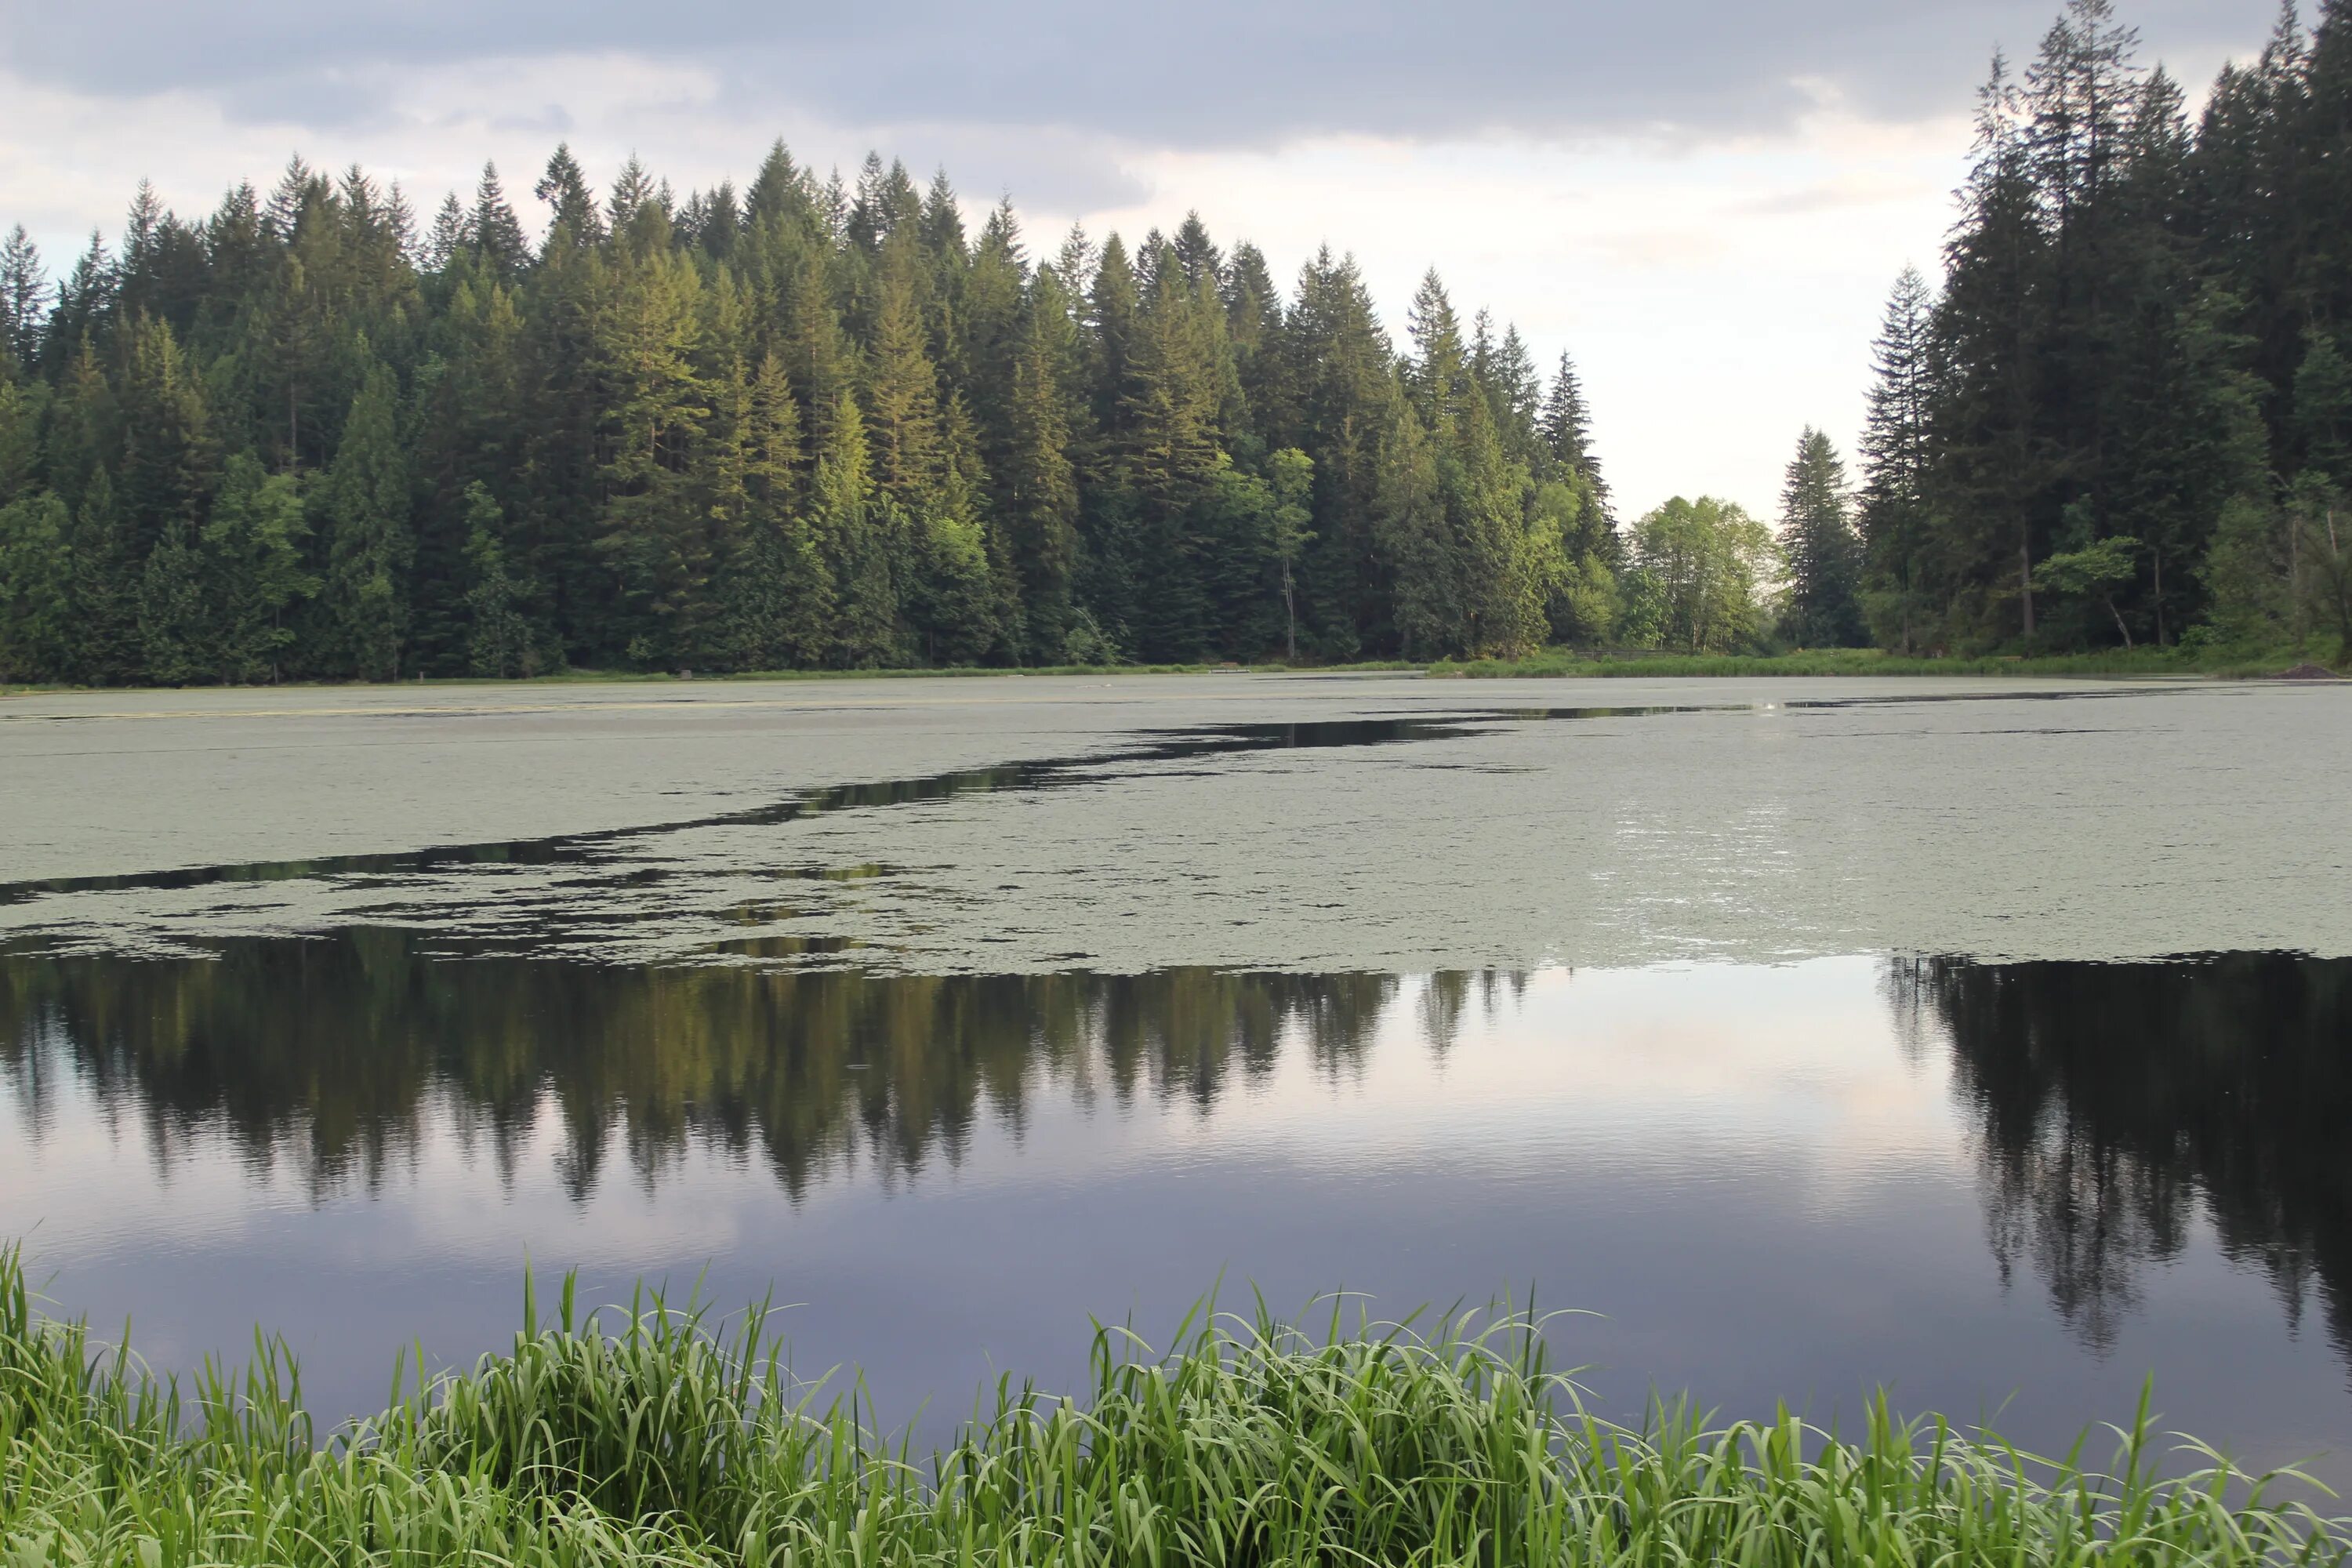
(497, 638)
(252, 571)
(369, 539)
(2322, 555)
(1823, 553)
(2095, 570)
(655, 1434)
(1701, 570)
(800, 427)
(37, 631)
(2138, 336)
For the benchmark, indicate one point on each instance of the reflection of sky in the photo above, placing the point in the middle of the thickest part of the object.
(1754, 1172)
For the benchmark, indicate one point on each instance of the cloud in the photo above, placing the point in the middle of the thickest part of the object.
(1219, 74)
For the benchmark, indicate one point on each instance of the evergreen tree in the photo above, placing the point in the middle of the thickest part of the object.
(1565, 427)
(37, 624)
(1898, 453)
(573, 218)
(650, 531)
(499, 643)
(812, 425)
(364, 592)
(492, 231)
(251, 571)
(1039, 493)
(1823, 553)
(24, 293)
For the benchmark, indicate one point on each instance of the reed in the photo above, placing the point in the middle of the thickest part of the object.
(657, 1435)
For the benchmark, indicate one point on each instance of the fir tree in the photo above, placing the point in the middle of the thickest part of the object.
(492, 231)
(497, 634)
(1824, 555)
(1898, 455)
(573, 218)
(24, 295)
(1565, 427)
(364, 592)
(252, 571)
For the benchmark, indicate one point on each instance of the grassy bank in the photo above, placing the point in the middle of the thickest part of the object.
(646, 1437)
(2170, 661)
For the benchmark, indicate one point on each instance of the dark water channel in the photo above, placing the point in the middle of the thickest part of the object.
(2021, 1186)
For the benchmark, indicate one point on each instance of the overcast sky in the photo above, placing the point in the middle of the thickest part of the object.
(1705, 203)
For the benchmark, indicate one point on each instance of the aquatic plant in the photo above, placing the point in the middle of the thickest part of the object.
(657, 1434)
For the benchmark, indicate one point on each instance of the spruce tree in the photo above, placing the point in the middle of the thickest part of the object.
(497, 635)
(251, 571)
(1566, 428)
(24, 295)
(37, 608)
(492, 231)
(370, 543)
(573, 218)
(1823, 553)
(1898, 453)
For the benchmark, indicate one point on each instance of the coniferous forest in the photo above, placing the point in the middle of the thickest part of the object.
(824, 424)
(803, 425)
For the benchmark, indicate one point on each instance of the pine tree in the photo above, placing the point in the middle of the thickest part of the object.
(447, 238)
(806, 426)
(24, 294)
(573, 218)
(1565, 427)
(37, 609)
(852, 532)
(1039, 488)
(492, 231)
(104, 588)
(499, 643)
(781, 589)
(175, 639)
(649, 531)
(370, 545)
(1897, 455)
(1825, 554)
(168, 456)
(251, 571)
(1439, 372)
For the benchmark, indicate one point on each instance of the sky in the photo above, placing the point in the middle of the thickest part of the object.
(1705, 203)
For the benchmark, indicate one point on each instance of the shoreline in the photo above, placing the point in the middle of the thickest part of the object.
(2168, 664)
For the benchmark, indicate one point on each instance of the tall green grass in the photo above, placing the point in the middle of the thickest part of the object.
(661, 1435)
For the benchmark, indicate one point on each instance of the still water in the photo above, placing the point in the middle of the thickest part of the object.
(1160, 997)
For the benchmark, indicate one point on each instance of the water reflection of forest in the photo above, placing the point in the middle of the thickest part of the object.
(2111, 1105)
(338, 1054)
(2115, 1105)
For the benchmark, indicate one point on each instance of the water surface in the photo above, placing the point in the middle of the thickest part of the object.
(1812, 1043)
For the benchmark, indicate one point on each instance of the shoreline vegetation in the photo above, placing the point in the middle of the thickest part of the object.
(2183, 663)
(659, 1434)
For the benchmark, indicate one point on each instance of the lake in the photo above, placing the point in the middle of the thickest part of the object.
(1989, 1041)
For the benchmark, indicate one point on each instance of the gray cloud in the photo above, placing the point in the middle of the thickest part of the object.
(1219, 73)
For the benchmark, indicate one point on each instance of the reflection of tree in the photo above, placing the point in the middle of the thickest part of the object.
(338, 1053)
(2113, 1103)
